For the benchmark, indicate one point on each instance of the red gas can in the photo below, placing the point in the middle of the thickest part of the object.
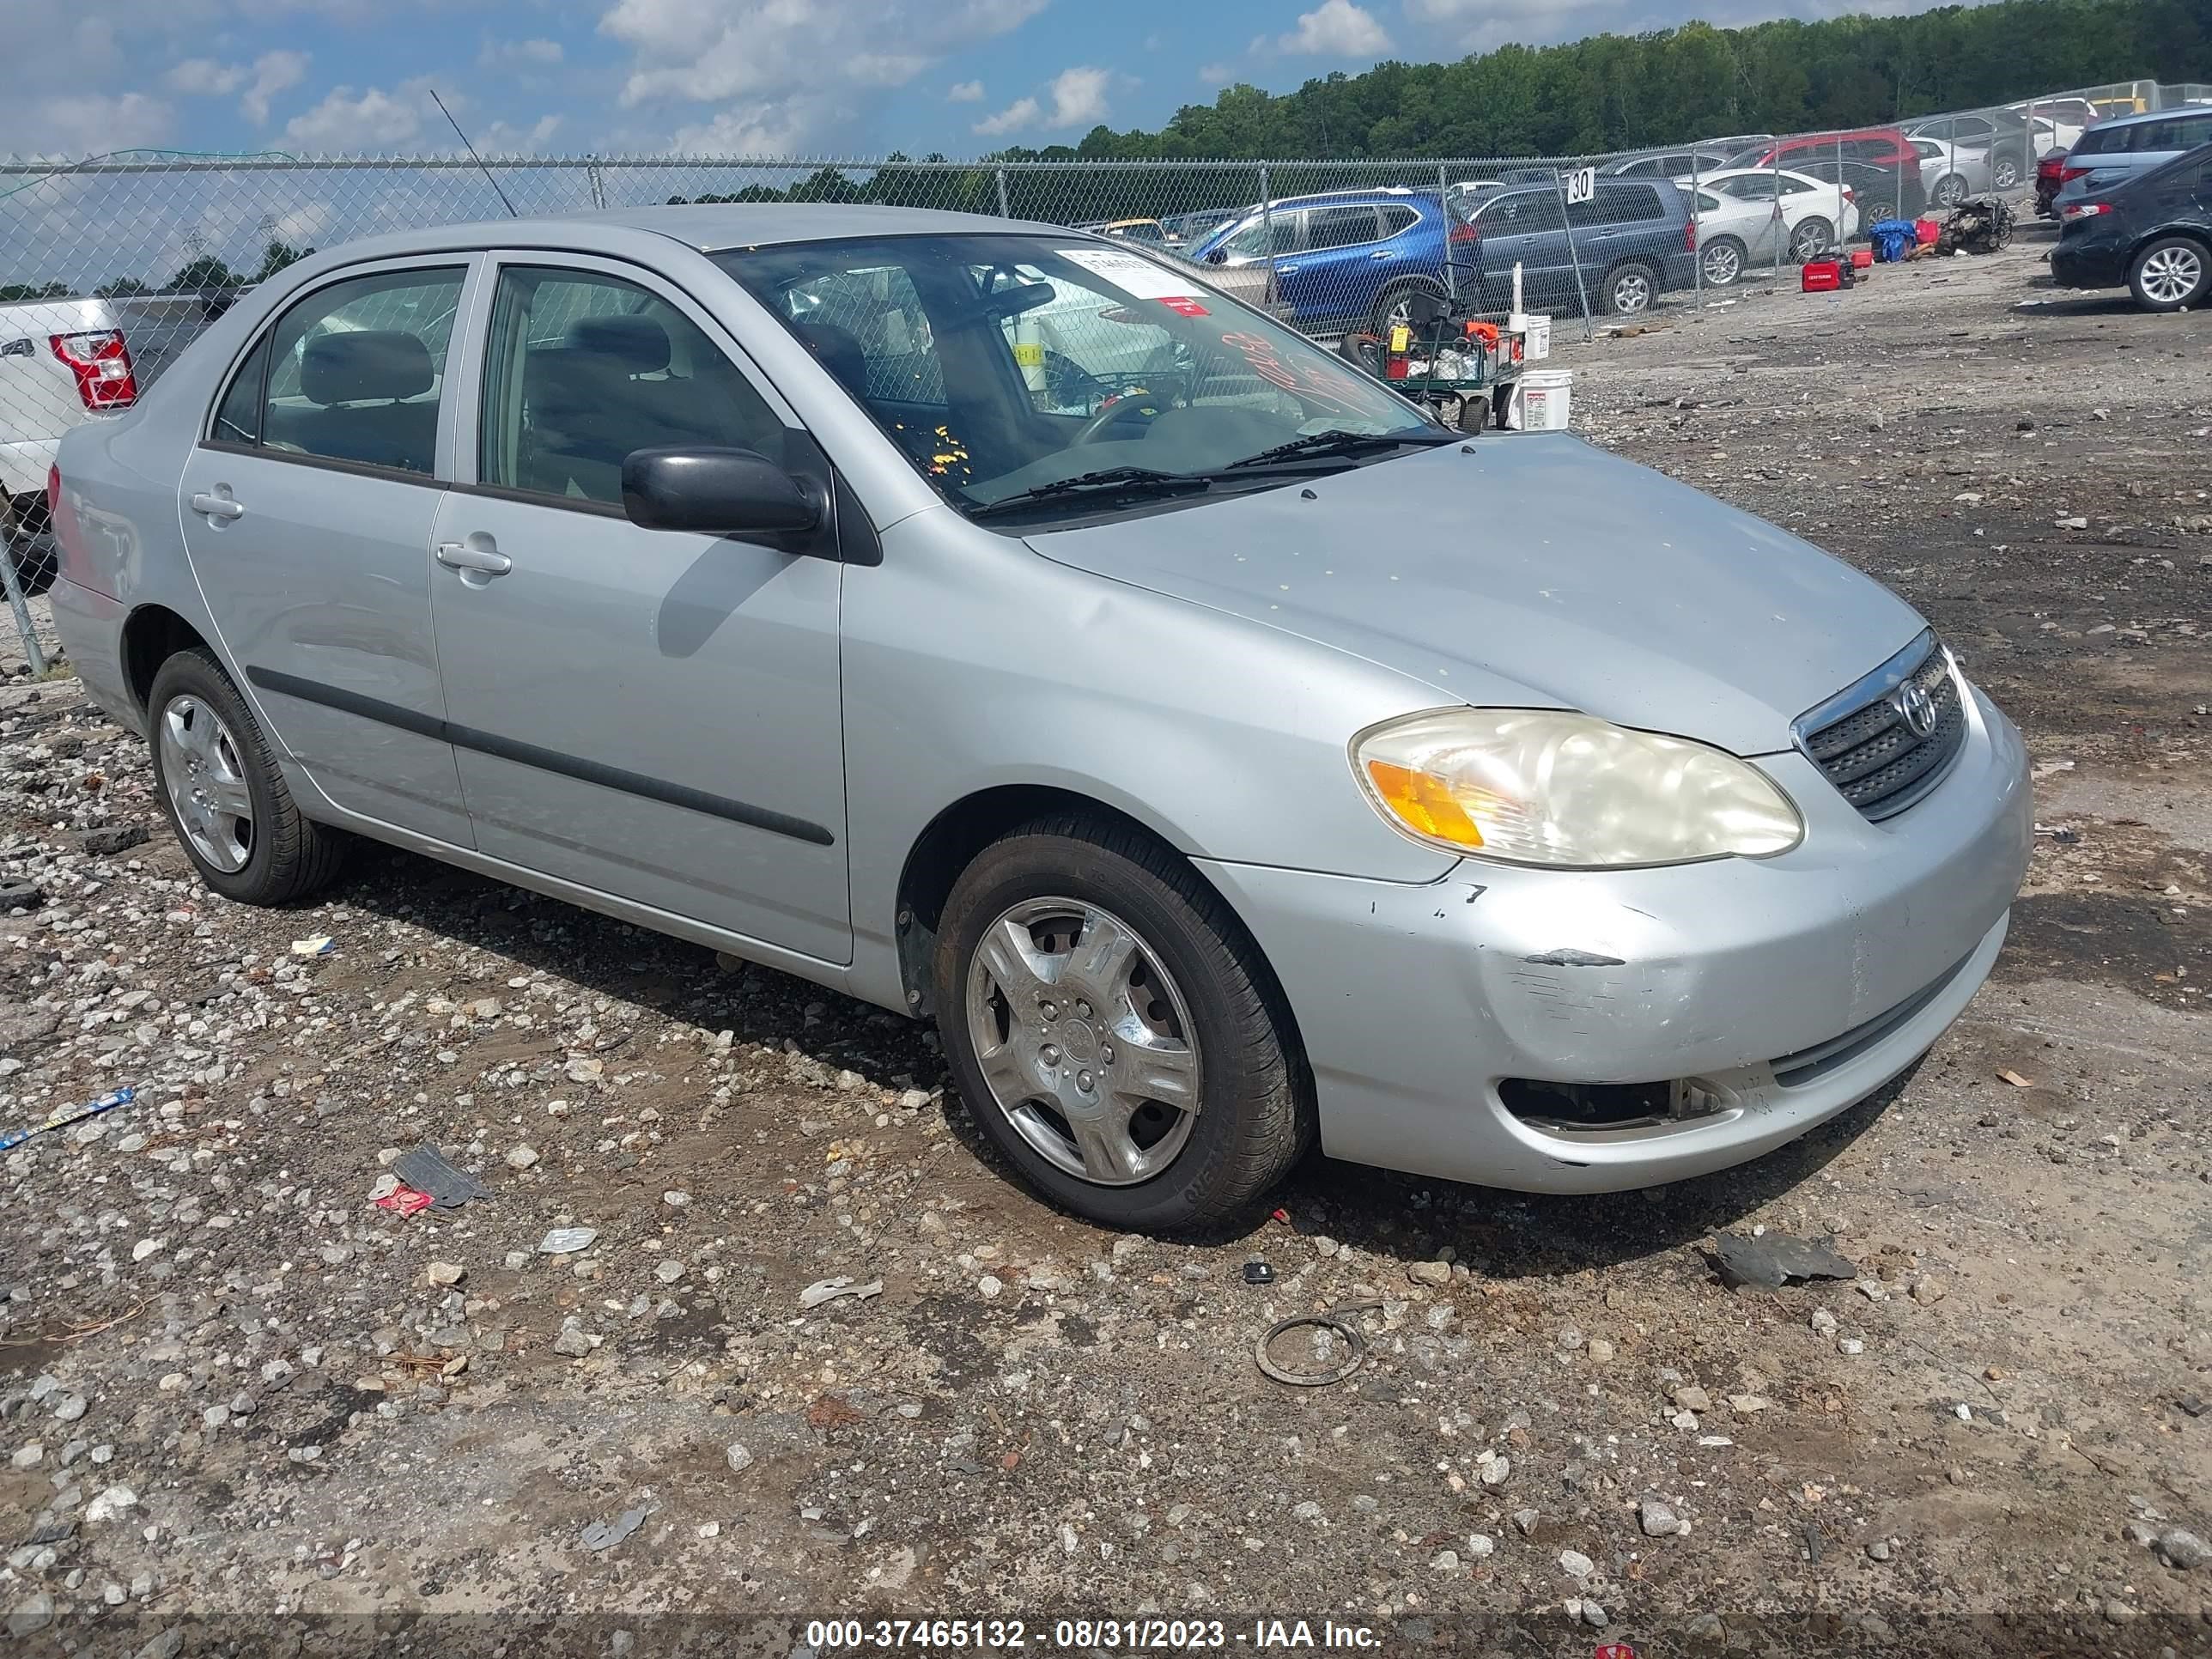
(1862, 258)
(1822, 276)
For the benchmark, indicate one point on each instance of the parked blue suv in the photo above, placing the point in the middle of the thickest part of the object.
(1347, 257)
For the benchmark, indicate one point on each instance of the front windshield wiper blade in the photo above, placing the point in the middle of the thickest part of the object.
(1336, 442)
(1109, 481)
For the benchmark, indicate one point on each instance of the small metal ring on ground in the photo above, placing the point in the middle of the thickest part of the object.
(1337, 1320)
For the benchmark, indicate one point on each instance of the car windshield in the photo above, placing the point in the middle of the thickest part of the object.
(1012, 366)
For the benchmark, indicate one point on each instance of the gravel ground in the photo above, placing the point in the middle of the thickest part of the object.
(231, 1385)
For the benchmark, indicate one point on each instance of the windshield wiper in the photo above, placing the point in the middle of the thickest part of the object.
(1129, 481)
(1336, 442)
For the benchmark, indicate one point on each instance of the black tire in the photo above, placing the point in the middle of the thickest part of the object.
(2154, 273)
(291, 856)
(1390, 299)
(27, 546)
(1875, 212)
(1723, 261)
(1256, 1116)
(1618, 295)
(1813, 238)
(1475, 412)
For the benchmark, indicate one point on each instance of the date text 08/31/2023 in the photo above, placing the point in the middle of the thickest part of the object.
(1149, 1634)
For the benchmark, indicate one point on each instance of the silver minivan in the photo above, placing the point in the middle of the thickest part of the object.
(998, 625)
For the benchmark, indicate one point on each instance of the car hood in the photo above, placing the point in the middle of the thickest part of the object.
(1537, 571)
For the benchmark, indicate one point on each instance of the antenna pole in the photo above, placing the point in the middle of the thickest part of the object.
(472, 150)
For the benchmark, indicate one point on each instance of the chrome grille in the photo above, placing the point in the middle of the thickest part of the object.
(1864, 742)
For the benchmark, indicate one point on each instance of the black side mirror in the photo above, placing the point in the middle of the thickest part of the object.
(1216, 257)
(720, 492)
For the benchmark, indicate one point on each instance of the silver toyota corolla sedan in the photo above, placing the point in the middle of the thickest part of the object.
(998, 625)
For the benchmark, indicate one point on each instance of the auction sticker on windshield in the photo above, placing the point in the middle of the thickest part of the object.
(1133, 273)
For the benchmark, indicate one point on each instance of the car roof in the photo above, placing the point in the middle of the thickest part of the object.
(2142, 116)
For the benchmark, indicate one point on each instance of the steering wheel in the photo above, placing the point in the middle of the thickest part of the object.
(1136, 404)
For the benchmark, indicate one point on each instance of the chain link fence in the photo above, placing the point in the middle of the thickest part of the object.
(109, 266)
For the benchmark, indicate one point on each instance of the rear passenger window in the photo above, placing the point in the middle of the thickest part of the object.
(351, 373)
(1338, 226)
(583, 368)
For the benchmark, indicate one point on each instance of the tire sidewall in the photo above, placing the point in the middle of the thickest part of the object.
(2195, 297)
(1039, 866)
(191, 674)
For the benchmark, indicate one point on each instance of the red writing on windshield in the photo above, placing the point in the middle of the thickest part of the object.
(1323, 385)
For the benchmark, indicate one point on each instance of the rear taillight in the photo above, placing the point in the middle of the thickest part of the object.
(2086, 209)
(101, 363)
(1463, 235)
(53, 494)
(1850, 195)
(2067, 175)
(2048, 168)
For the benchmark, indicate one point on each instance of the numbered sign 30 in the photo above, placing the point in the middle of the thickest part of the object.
(1582, 184)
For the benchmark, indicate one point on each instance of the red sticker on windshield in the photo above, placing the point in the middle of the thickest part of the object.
(1184, 306)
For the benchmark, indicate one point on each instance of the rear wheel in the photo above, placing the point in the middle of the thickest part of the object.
(1114, 1031)
(219, 784)
(1628, 289)
(1721, 261)
(1811, 240)
(2171, 273)
(2006, 174)
(1950, 191)
(1394, 308)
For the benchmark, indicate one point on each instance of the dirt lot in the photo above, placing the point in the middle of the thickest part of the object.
(229, 1385)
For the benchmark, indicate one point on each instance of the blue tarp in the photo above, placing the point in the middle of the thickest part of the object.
(1892, 240)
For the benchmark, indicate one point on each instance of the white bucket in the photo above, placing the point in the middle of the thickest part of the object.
(1542, 400)
(1535, 334)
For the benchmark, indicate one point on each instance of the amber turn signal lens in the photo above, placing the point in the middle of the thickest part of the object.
(1424, 802)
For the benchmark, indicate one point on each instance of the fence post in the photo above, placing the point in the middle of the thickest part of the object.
(1574, 254)
(1443, 206)
(599, 184)
(23, 626)
(1840, 244)
(1698, 229)
(1005, 212)
(1267, 234)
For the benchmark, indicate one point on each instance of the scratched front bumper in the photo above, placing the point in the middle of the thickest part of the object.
(1413, 1003)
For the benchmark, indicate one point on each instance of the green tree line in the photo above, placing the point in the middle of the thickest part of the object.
(202, 273)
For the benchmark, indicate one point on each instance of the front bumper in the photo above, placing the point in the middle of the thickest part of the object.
(1791, 987)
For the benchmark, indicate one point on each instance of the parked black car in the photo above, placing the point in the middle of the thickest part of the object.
(1881, 191)
(1634, 241)
(2152, 234)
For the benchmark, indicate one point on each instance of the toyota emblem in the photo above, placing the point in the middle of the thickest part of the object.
(1916, 709)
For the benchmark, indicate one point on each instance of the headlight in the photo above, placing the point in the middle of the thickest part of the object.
(1541, 785)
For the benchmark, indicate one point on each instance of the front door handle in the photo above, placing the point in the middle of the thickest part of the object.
(1387, 254)
(1285, 271)
(482, 560)
(218, 506)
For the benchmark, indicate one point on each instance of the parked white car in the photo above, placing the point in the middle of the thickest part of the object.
(1950, 172)
(63, 361)
(1750, 218)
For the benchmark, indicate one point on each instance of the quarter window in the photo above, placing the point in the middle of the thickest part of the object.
(352, 373)
(581, 369)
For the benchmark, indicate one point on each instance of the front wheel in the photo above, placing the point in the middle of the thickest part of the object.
(219, 784)
(1722, 262)
(1629, 289)
(1950, 191)
(1114, 1031)
(2171, 274)
(2007, 173)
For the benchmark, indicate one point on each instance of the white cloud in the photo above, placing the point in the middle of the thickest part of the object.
(1078, 97)
(348, 123)
(792, 74)
(504, 138)
(1338, 28)
(1022, 112)
(520, 54)
(968, 92)
(83, 123)
(1215, 75)
(202, 77)
(273, 72)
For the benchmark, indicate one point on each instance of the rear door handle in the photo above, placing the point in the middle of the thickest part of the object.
(481, 561)
(217, 507)
(1285, 271)
(1387, 254)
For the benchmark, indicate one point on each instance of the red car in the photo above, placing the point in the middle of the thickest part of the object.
(2050, 176)
(1880, 155)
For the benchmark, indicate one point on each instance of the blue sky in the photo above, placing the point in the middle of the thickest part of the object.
(767, 78)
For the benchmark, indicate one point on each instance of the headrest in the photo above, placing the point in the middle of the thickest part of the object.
(639, 343)
(367, 365)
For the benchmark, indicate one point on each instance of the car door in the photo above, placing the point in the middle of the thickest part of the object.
(307, 509)
(654, 714)
(1332, 275)
(1526, 229)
